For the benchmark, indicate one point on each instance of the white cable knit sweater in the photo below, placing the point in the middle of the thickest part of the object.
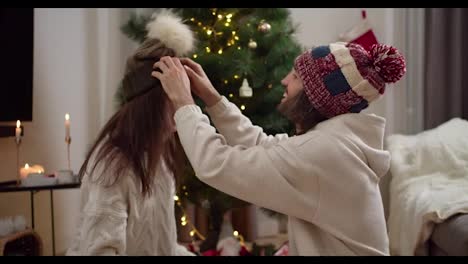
(117, 220)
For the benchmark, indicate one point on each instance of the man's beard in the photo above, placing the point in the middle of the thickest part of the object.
(289, 108)
(300, 111)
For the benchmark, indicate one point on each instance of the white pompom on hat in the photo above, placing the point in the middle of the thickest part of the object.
(170, 30)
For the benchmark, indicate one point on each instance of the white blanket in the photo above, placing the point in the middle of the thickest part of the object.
(429, 184)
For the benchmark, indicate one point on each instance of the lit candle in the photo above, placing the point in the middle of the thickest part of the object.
(67, 125)
(26, 170)
(18, 130)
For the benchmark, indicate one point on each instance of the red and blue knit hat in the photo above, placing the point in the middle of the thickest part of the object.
(344, 78)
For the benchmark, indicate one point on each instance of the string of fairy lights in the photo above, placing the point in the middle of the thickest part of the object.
(194, 232)
(232, 40)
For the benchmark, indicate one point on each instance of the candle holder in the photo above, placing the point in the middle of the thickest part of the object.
(18, 143)
(68, 141)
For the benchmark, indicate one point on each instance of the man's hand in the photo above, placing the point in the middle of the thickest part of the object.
(174, 80)
(200, 84)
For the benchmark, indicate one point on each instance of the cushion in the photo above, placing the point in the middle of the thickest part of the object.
(451, 236)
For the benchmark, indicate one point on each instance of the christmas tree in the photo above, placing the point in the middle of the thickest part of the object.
(245, 52)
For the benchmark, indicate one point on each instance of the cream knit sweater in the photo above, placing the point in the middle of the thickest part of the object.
(326, 180)
(118, 220)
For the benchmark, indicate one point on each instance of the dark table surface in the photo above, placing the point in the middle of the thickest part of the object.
(11, 186)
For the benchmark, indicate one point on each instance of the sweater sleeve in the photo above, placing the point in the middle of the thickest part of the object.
(237, 129)
(244, 172)
(104, 222)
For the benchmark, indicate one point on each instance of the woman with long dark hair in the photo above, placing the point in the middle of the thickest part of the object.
(128, 176)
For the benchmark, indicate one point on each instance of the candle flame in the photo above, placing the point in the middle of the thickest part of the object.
(18, 123)
(67, 116)
(26, 166)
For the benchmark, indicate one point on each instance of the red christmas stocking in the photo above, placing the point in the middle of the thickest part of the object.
(361, 34)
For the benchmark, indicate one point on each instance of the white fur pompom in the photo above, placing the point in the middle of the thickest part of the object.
(169, 29)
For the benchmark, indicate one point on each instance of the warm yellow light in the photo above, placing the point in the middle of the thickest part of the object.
(184, 223)
(233, 32)
(208, 32)
(67, 116)
(229, 44)
(231, 95)
(18, 124)
(242, 107)
(225, 81)
(236, 37)
(208, 49)
(184, 187)
(220, 51)
(236, 76)
(220, 16)
(226, 24)
(183, 218)
(238, 47)
(229, 16)
(235, 233)
(195, 56)
(176, 198)
(192, 19)
(228, 20)
(26, 166)
(214, 13)
(199, 23)
(192, 233)
(186, 193)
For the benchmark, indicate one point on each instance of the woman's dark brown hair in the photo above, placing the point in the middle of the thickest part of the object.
(140, 135)
(300, 111)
